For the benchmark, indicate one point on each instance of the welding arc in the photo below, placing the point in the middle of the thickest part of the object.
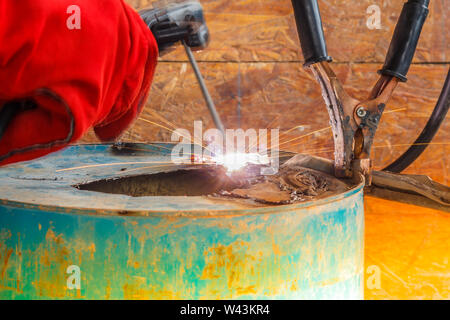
(428, 133)
(205, 92)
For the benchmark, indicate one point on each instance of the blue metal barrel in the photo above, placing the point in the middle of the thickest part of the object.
(60, 242)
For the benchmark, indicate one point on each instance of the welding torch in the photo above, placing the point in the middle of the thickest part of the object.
(183, 22)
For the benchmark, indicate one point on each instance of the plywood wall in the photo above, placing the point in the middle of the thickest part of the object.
(253, 68)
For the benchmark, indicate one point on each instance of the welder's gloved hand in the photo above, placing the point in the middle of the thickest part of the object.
(175, 22)
(65, 69)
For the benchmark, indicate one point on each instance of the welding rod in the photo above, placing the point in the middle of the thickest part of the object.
(206, 95)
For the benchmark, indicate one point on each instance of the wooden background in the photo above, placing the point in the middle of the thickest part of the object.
(253, 68)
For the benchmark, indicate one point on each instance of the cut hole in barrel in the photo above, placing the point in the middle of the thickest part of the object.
(292, 183)
(186, 182)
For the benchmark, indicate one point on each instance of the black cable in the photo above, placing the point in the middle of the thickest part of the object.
(428, 133)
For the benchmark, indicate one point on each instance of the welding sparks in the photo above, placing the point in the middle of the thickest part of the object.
(236, 161)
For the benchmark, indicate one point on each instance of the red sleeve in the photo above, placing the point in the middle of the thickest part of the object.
(97, 76)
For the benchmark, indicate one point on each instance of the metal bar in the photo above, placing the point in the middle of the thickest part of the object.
(206, 95)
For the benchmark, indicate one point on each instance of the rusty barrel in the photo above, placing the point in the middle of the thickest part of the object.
(59, 242)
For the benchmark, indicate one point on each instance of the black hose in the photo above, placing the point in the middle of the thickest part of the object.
(404, 41)
(428, 133)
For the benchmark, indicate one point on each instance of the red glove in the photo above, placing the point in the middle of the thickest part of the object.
(96, 76)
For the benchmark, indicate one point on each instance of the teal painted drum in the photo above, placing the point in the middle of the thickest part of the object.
(60, 242)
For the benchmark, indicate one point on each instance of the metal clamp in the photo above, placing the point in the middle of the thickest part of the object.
(354, 123)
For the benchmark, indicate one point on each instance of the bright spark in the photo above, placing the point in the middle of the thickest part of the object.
(236, 161)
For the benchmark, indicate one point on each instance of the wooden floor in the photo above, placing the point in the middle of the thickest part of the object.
(408, 247)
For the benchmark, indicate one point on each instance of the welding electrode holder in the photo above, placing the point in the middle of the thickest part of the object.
(404, 41)
(309, 26)
(177, 22)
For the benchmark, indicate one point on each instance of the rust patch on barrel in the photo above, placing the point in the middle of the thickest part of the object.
(231, 263)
